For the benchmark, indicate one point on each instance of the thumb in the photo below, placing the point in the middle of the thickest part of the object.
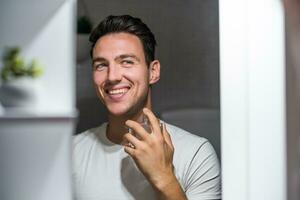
(167, 136)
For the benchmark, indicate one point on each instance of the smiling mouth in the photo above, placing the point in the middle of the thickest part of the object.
(117, 91)
(117, 94)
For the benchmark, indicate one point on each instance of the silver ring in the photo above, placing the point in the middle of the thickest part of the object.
(130, 145)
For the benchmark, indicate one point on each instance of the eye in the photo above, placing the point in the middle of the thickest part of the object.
(127, 62)
(100, 66)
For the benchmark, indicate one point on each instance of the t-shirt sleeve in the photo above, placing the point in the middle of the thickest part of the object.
(203, 177)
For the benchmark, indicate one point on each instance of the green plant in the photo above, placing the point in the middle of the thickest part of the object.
(84, 25)
(15, 67)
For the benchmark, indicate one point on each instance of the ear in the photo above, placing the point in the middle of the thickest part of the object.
(154, 72)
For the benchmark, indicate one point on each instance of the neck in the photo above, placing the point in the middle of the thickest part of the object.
(116, 124)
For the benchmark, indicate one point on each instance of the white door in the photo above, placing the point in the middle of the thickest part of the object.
(253, 107)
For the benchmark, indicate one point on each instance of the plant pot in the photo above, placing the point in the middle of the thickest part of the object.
(20, 92)
(83, 47)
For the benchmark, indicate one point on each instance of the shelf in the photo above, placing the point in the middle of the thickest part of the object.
(26, 113)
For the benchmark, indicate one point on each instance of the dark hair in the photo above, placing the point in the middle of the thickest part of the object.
(126, 24)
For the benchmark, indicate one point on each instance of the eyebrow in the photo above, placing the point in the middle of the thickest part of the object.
(101, 59)
(98, 59)
(127, 56)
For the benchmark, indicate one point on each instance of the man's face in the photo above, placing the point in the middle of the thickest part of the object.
(120, 73)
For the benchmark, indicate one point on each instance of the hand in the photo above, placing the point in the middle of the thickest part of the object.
(152, 152)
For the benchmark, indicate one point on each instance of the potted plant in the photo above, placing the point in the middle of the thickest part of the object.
(17, 80)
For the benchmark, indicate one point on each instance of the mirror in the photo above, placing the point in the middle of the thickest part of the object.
(187, 94)
(188, 49)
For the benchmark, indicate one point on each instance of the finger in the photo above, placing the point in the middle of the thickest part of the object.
(129, 150)
(138, 129)
(153, 121)
(167, 136)
(132, 140)
(124, 142)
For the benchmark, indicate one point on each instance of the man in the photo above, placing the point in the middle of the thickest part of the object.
(112, 162)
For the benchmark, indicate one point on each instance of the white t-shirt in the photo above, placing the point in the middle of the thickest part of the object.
(102, 170)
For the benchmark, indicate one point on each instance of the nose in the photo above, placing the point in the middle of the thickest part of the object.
(114, 74)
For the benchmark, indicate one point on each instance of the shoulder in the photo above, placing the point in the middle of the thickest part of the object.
(190, 148)
(181, 137)
(188, 143)
(196, 164)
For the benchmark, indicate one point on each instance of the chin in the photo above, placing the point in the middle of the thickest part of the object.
(117, 114)
(125, 112)
(117, 111)
(126, 109)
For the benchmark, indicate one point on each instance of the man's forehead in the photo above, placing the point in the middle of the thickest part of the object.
(118, 45)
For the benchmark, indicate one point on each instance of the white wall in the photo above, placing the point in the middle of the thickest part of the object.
(45, 30)
(253, 99)
(35, 146)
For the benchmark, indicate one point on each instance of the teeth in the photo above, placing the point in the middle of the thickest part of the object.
(118, 91)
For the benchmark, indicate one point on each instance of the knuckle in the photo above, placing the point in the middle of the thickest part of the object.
(143, 148)
(126, 136)
(151, 143)
(160, 140)
(138, 153)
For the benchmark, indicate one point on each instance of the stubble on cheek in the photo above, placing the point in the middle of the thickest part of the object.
(138, 103)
